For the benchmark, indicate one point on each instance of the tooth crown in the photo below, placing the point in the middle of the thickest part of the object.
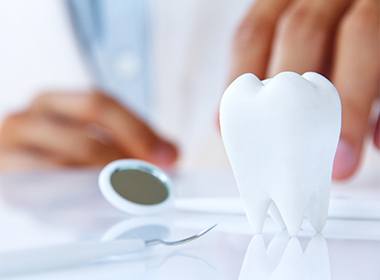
(280, 136)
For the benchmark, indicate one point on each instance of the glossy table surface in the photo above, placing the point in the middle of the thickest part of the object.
(46, 209)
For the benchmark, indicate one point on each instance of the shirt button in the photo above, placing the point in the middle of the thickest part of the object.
(127, 65)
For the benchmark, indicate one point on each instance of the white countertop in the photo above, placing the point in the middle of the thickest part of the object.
(45, 209)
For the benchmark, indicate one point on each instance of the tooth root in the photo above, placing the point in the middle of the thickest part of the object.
(292, 208)
(257, 210)
(318, 209)
(276, 216)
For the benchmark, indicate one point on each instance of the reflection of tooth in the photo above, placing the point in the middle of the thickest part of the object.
(285, 260)
(256, 264)
(317, 251)
(280, 137)
(292, 264)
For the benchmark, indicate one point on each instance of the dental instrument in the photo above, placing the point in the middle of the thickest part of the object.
(42, 259)
(136, 187)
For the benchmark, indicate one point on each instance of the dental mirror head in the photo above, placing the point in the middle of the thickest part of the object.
(136, 187)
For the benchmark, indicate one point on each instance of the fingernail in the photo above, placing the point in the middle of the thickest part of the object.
(164, 154)
(345, 160)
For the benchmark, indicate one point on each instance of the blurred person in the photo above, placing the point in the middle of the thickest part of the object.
(135, 62)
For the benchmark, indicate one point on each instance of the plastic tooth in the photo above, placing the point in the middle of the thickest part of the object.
(318, 208)
(257, 210)
(280, 136)
(321, 82)
(274, 213)
(292, 209)
(244, 83)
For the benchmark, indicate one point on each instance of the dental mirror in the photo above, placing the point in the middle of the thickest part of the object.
(135, 187)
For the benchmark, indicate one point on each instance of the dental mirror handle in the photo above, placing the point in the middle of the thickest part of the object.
(41, 259)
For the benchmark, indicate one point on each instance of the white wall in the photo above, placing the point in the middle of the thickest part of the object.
(37, 51)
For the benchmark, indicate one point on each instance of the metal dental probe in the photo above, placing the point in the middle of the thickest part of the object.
(41, 259)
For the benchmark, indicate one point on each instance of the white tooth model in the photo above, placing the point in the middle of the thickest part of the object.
(280, 136)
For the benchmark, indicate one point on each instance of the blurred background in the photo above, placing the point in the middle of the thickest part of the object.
(167, 64)
(189, 43)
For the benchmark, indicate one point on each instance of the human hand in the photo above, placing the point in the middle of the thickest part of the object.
(78, 129)
(339, 39)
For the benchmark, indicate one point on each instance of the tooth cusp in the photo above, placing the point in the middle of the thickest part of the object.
(246, 83)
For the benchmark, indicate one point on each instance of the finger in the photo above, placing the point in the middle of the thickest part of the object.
(66, 144)
(376, 134)
(302, 37)
(356, 75)
(253, 38)
(130, 133)
(18, 160)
